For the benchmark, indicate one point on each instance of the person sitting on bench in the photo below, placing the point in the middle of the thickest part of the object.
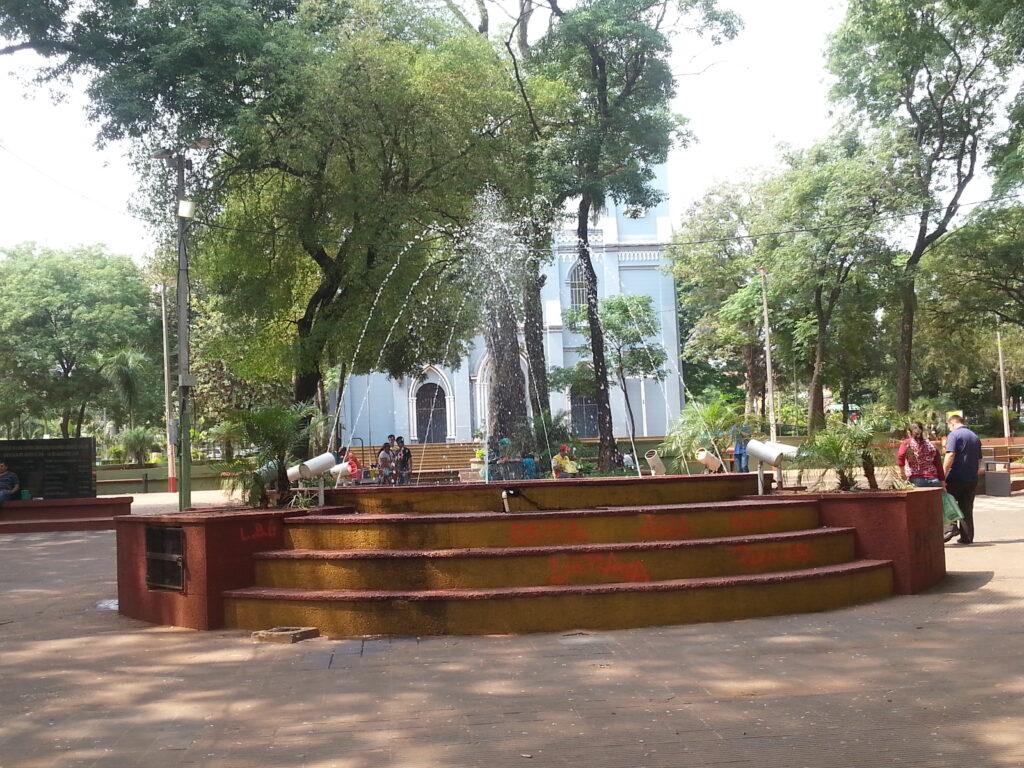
(9, 486)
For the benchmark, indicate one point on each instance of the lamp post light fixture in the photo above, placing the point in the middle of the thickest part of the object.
(176, 160)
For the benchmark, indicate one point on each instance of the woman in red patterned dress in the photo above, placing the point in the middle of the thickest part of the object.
(918, 459)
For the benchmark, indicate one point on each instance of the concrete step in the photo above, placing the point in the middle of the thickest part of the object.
(666, 522)
(538, 566)
(45, 525)
(347, 613)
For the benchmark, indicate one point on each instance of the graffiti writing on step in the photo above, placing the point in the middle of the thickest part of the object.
(259, 531)
(794, 554)
(575, 569)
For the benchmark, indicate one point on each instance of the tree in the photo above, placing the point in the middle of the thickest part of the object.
(61, 312)
(826, 210)
(497, 251)
(367, 158)
(629, 324)
(348, 139)
(123, 370)
(137, 442)
(613, 55)
(981, 265)
(714, 263)
(932, 73)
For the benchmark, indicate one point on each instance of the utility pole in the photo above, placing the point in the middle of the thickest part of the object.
(175, 158)
(172, 475)
(768, 374)
(769, 377)
(1002, 389)
(185, 379)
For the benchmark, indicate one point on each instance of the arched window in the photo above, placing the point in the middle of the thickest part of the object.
(584, 415)
(577, 287)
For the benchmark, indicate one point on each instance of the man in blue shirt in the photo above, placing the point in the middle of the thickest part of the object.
(741, 434)
(963, 454)
(8, 483)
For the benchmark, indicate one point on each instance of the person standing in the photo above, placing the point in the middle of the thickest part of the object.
(741, 435)
(963, 454)
(386, 465)
(529, 467)
(919, 460)
(9, 485)
(403, 461)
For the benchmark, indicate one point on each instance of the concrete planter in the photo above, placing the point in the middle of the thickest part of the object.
(902, 526)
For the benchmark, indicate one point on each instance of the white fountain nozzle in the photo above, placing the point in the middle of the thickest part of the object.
(771, 453)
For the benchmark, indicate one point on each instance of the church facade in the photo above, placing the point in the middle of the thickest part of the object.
(450, 404)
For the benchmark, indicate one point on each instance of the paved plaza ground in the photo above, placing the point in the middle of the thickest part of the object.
(935, 679)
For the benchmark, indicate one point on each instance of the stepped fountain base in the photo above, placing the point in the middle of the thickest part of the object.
(585, 554)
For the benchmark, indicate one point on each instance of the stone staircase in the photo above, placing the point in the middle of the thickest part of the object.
(432, 462)
(555, 568)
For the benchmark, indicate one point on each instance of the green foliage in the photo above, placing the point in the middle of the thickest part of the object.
(578, 379)
(829, 199)
(629, 324)
(843, 449)
(981, 266)
(228, 434)
(275, 430)
(714, 264)
(377, 138)
(61, 314)
(138, 442)
(612, 59)
(931, 75)
(124, 371)
(709, 425)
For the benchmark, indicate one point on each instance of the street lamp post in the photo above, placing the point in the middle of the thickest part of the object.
(176, 159)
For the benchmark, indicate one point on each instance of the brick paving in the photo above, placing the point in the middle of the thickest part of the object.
(935, 679)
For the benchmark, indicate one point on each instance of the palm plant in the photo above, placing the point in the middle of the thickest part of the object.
(137, 442)
(227, 434)
(275, 431)
(123, 370)
(843, 448)
(710, 425)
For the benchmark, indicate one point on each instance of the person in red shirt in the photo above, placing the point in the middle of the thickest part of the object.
(918, 459)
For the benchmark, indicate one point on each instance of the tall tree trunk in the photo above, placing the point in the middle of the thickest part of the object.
(533, 337)
(65, 423)
(816, 407)
(905, 355)
(751, 379)
(506, 405)
(606, 451)
(81, 418)
(629, 407)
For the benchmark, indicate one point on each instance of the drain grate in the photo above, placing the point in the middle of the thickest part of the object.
(285, 634)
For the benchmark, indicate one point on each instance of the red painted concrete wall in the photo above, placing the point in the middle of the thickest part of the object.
(218, 555)
(902, 526)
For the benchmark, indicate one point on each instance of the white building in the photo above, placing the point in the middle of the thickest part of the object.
(450, 405)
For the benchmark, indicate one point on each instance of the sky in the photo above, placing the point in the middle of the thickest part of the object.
(742, 98)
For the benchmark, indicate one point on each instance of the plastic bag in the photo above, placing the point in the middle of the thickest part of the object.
(950, 509)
